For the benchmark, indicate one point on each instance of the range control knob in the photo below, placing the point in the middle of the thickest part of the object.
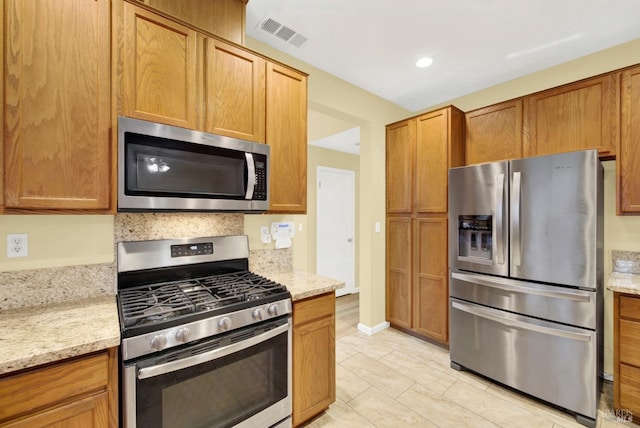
(159, 342)
(273, 310)
(224, 323)
(258, 314)
(183, 334)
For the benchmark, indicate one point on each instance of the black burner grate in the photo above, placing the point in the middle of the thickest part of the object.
(159, 302)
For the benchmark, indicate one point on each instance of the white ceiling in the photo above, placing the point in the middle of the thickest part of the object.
(475, 44)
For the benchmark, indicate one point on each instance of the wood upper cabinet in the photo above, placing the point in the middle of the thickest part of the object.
(438, 146)
(159, 74)
(430, 278)
(80, 392)
(314, 356)
(234, 91)
(399, 174)
(224, 18)
(57, 105)
(398, 271)
(581, 115)
(628, 159)
(494, 133)
(287, 137)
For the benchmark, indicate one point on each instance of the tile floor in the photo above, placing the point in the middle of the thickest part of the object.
(395, 380)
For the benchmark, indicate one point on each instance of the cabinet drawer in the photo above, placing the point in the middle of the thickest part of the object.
(630, 342)
(313, 308)
(53, 384)
(630, 307)
(629, 388)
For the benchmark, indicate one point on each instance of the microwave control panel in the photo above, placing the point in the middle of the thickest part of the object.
(260, 189)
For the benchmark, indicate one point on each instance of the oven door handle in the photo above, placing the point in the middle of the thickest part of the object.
(173, 366)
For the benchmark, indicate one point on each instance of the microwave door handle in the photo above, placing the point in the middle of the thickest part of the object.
(500, 219)
(251, 176)
(515, 216)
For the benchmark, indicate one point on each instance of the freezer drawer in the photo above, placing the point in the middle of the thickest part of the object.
(553, 362)
(561, 304)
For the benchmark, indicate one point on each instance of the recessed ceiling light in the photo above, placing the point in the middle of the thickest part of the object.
(424, 62)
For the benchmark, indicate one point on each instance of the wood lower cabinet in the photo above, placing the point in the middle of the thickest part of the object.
(578, 116)
(430, 278)
(398, 271)
(287, 136)
(224, 18)
(57, 105)
(494, 133)
(626, 354)
(628, 160)
(314, 356)
(80, 392)
(420, 151)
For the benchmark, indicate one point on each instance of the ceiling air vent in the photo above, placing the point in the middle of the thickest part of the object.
(282, 32)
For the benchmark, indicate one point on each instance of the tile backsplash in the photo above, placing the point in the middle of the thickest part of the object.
(51, 285)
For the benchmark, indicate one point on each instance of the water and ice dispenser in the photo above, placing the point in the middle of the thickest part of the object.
(475, 236)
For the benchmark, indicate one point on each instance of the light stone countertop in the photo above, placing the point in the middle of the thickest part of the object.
(625, 277)
(302, 284)
(37, 335)
(620, 282)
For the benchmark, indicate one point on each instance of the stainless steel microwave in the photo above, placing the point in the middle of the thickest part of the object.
(167, 168)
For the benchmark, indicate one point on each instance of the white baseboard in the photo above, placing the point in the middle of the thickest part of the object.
(373, 330)
(607, 376)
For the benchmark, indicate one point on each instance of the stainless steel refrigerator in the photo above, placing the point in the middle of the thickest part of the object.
(526, 280)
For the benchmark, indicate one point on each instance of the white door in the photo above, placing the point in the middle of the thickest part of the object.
(336, 226)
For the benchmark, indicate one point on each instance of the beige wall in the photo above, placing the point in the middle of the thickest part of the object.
(59, 240)
(338, 99)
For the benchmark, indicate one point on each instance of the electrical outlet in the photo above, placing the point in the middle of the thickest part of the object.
(17, 245)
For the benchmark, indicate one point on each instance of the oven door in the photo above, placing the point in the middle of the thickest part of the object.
(240, 379)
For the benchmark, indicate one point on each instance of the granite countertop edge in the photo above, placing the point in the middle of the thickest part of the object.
(628, 283)
(37, 335)
(303, 285)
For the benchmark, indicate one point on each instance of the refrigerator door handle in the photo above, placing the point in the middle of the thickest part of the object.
(512, 285)
(515, 219)
(500, 219)
(493, 315)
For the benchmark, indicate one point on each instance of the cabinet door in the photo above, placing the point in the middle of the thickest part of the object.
(90, 412)
(287, 137)
(57, 152)
(582, 115)
(494, 133)
(234, 92)
(628, 164)
(224, 18)
(431, 162)
(398, 287)
(399, 162)
(430, 278)
(314, 385)
(159, 70)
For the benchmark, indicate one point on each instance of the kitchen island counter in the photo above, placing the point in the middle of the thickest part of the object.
(303, 284)
(37, 335)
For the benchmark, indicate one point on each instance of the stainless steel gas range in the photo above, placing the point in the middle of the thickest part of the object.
(205, 342)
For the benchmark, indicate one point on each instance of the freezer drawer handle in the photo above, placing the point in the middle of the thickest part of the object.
(500, 219)
(492, 315)
(510, 285)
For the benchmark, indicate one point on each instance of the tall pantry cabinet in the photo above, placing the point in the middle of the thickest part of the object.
(419, 152)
